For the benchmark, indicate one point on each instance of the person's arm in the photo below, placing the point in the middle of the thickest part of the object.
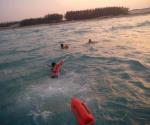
(61, 63)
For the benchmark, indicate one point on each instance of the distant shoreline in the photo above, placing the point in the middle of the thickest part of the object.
(131, 14)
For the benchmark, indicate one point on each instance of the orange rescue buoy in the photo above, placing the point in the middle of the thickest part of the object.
(82, 113)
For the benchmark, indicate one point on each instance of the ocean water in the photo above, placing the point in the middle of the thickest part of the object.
(112, 76)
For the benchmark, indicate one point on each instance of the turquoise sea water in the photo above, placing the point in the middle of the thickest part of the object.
(112, 76)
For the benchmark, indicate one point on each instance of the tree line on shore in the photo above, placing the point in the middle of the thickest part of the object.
(50, 18)
(71, 15)
(94, 13)
(8, 24)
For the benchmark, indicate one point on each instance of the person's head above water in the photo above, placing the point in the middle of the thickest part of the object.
(53, 64)
(62, 45)
(90, 40)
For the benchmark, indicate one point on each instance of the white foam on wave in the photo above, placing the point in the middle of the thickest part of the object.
(51, 96)
(67, 85)
(40, 114)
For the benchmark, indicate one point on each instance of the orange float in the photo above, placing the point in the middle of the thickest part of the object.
(82, 113)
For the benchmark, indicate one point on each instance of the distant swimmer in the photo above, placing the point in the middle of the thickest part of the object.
(91, 42)
(56, 68)
(64, 46)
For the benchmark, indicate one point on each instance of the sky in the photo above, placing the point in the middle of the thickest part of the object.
(16, 10)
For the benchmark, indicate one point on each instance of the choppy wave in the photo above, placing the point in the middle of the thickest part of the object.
(131, 26)
(143, 24)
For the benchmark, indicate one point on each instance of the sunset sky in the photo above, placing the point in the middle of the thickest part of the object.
(11, 10)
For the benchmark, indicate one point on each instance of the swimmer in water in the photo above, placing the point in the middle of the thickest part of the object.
(91, 42)
(64, 46)
(56, 68)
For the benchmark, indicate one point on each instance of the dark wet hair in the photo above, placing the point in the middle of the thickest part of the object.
(90, 40)
(62, 45)
(53, 64)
